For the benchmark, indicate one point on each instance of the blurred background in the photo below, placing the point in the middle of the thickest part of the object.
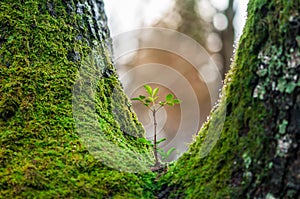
(184, 47)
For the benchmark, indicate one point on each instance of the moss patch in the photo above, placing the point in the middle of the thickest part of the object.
(43, 46)
(244, 160)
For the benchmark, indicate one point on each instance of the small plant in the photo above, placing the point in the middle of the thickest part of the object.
(154, 105)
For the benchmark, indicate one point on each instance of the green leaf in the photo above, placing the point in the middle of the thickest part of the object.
(170, 151)
(155, 98)
(142, 97)
(148, 89)
(170, 103)
(169, 97)
(160, 141)
(162, 103)
(146, 104)
(176, 101)
(150, 99)
(154, 92)
(163, 154)
(136, 99)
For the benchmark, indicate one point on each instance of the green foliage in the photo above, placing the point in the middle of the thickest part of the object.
(151, 100)
(161, 140)
(152, 103)
(165, 155)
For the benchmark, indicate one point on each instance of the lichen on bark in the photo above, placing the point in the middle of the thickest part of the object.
(258, 150)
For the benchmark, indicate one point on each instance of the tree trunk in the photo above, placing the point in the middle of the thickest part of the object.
(56, 77)
(228, 38)
(58, 88)
(249, 148)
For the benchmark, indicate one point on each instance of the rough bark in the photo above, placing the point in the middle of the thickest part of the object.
(228, 37)
(47, 49)
(257, 154)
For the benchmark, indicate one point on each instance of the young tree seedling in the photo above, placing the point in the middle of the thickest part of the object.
(154, 106)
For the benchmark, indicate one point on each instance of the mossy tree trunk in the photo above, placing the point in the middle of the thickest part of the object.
(257, 154)
(44, 47)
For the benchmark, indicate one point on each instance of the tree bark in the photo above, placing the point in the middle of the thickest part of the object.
(51, 51)
(257, 153)
(228, 38)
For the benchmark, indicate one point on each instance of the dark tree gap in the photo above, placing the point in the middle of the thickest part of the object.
(43, 46)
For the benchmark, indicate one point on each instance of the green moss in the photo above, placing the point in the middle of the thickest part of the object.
(241, 163)
(43, 47)
(52, 58)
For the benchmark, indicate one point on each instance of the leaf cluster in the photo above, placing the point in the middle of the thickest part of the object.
(151, 102)
(152, 99)
(165, 155)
